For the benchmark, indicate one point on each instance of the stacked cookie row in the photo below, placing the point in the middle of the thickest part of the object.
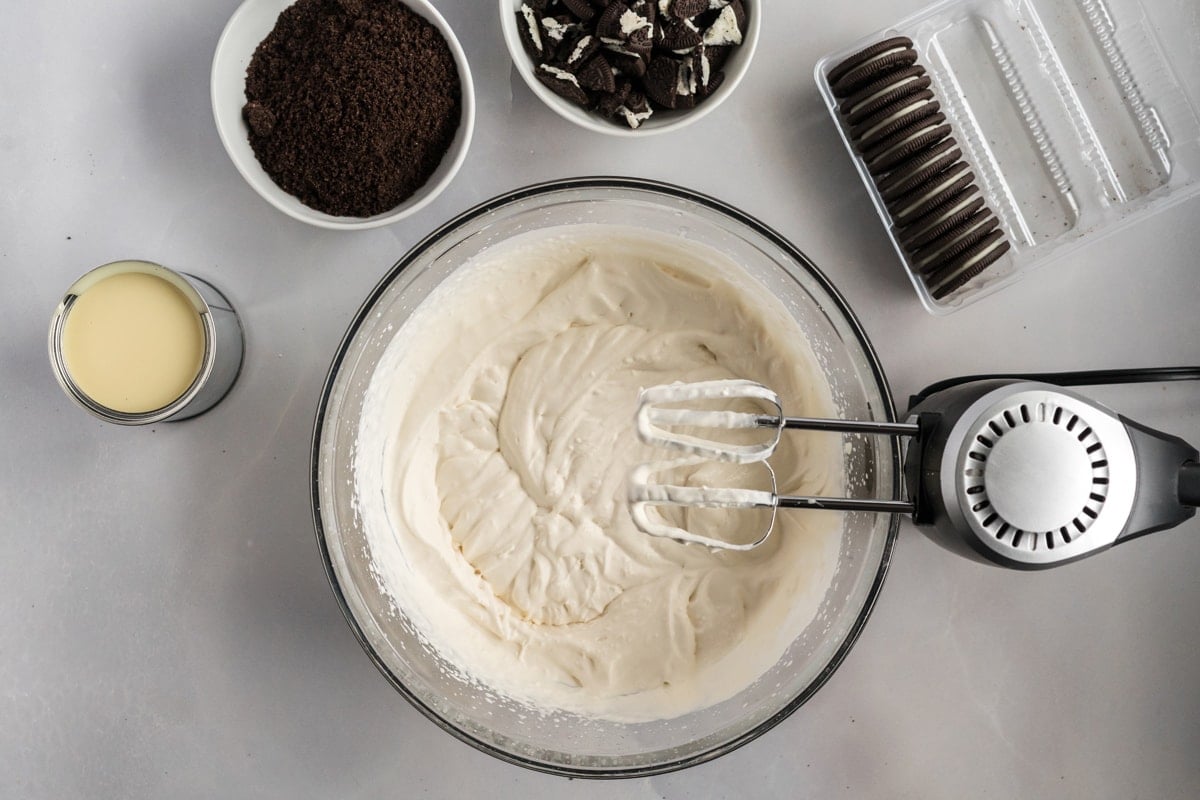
(897, 127)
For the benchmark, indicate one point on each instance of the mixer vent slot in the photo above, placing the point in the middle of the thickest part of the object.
(974, 476)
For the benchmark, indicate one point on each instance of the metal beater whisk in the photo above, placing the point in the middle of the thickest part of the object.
(659, 426)
(1008, 468)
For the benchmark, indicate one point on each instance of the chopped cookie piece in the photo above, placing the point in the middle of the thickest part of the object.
(683, 9)
(643, 8)
(619, 22)
(597, 75)
(671, 82)
(582, 9)
(557, 29)
(729, 25)
(599, 53)
(607, 104)
(629, 65)
(674, 34)
(562, 83)
(530, 31)
(634, 111)
(578, 51)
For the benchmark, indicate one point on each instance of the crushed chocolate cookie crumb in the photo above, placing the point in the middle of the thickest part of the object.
(351, 104)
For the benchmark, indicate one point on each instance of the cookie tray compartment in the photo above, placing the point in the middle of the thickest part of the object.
(1070, 112)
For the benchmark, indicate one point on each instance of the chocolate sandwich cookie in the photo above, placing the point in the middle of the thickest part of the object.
(869, 64)
(933, 194)
(900, 114)
(954, 241)
(954, 274)
(918, 169)
(906, 143)
(933, 209)
(923, 231)
(877, 94)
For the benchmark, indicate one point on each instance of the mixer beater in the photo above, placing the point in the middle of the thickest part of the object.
(1014, 470)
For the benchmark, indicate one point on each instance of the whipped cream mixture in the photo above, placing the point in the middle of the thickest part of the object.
(492, 460)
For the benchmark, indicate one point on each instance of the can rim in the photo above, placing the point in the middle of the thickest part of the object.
(90, 278)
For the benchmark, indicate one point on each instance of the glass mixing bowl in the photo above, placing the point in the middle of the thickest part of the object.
(561, 742)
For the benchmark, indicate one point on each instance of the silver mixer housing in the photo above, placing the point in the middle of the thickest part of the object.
(1031, 475)
(1040, 475)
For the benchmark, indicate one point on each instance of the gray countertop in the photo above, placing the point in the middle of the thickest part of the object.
(166, 629)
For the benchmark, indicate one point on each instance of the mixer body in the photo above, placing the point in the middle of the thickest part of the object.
(1030, 475)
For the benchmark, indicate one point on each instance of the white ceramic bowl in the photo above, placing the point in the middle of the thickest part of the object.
(248, 26)
(661, 121)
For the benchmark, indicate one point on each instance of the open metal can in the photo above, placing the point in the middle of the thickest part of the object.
(215, 346)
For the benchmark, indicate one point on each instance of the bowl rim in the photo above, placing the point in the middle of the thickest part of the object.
(266, 188)
(364, 313)
(522, 63)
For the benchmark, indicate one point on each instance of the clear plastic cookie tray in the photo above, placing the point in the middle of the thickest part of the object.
(1071, 114)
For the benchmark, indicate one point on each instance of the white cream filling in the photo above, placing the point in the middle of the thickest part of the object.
(561, 74)
(921, 131)
(685, 79)
(947, 213)
(966, 265)
(554, 29)
(879, 57)
(876, 95)
(926, 259)
(724, 29)
(893, 117)
(632, 21)
(535, 32)
(580, 48)
(953, 174)
(495, 443)
(634, 119)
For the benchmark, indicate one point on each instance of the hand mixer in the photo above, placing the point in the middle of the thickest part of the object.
(1010, 469)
